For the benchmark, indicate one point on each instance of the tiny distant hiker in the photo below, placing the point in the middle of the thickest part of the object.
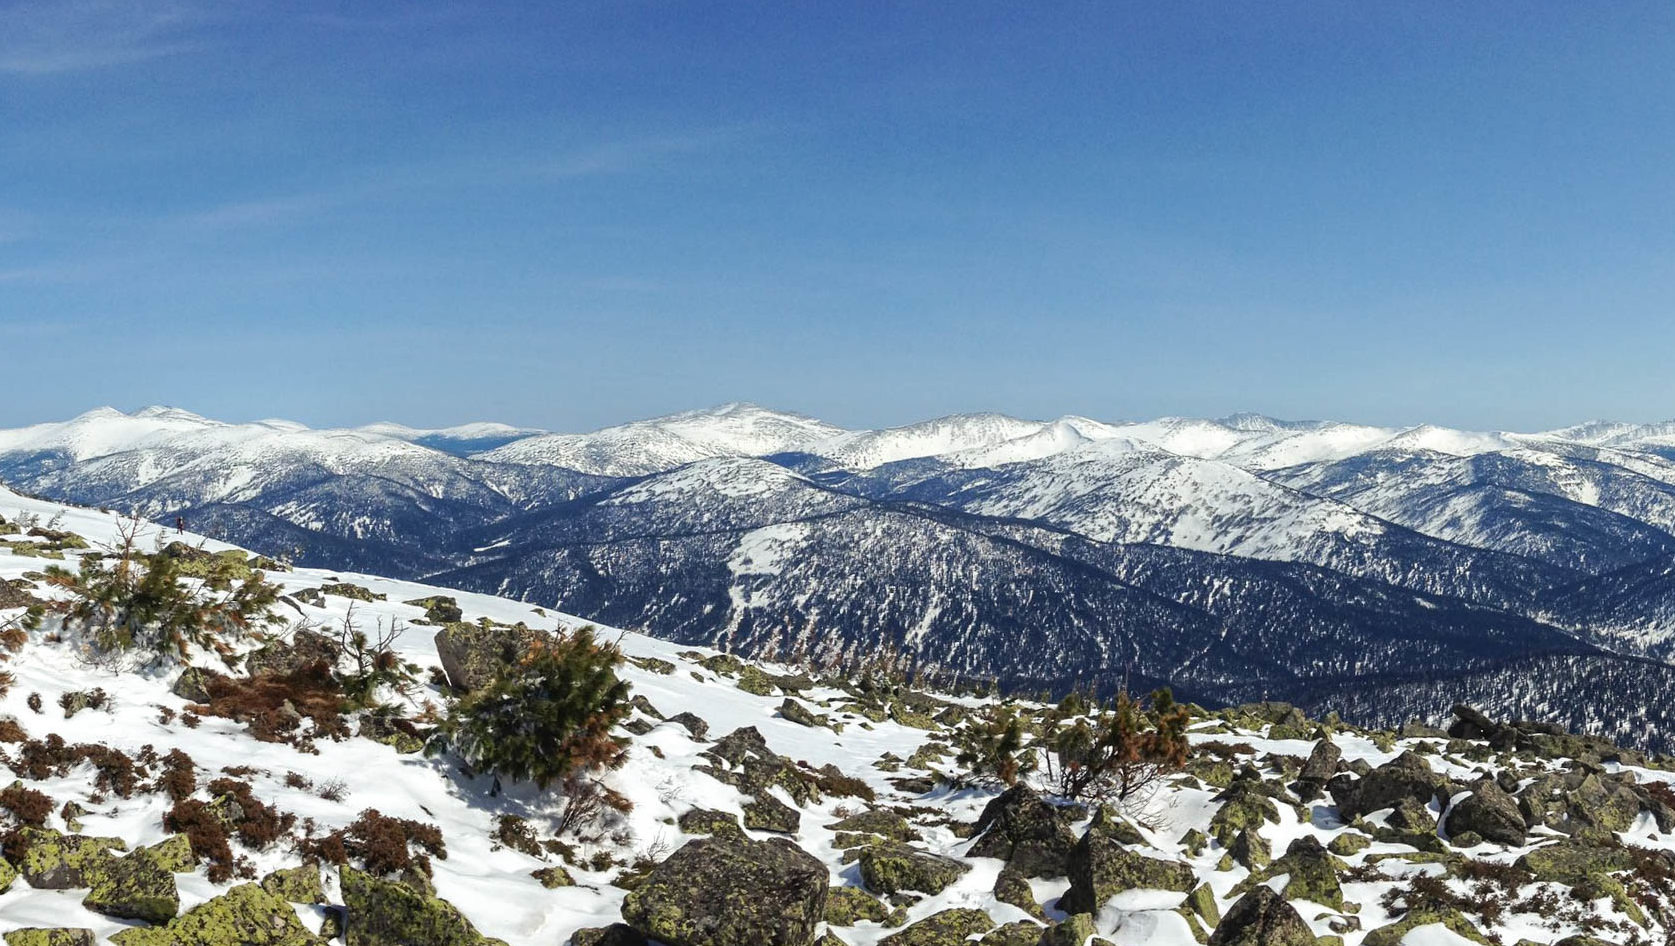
(180, 523)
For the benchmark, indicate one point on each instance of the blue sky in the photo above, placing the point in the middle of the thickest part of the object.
(565, 215)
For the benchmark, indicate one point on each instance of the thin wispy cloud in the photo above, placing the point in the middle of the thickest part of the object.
(615, 157)
(40, 39)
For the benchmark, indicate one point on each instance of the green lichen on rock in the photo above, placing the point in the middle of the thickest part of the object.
(553, 878)
(41, 936)
(1201, 902)
(135, 887)
(391, 913)
(1348, 843)
(846, 906)
(55, 861)
(948, 928)
(709, 821)
(1309, 871)
(1587, 869)
(893, 867)
(767, 813)
(727, 890)
(296, 885)
(1012, 887)
(885, 824)
(1244, 807)
(1016, 933)
(246, 915)
(1250, 850)
(173, 854)
(1074, 931)
(753, 680)
(1393, 934)
(1262, 918)
(8, 875)
(1101, 867)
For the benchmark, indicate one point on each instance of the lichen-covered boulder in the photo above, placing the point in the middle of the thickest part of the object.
(1250, 850)
(1016, 933)
(553, 877)
(135, 887)
(1012, 887)
(1032, 836)
(246, 914)
(1310, 873)
(767, 813)
(296, 885)
(41, 936)
(893, 867)
(1100, 868)
(1074, 931)
(948, 928)
(1408, 777)
(1262, 918)
(799, 714)
(193, 685)
(709, 821)
(1489, 813)
(727, 890)
(474, 654)
(54, 861)
(8, 875)
(173, 854)
(617, 934)
(1396, 933)
(439, 609)
(885, 824)
(391, 913)
(846, 906)
(1244, 806)
(282, 657)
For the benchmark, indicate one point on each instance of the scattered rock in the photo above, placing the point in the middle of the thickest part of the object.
(1100, 867)
(893, 867)
(1032, 836)
(391, 913)
(1407, 777)
(1262, 918)
(1489, 813)
(948, 928)
(474, 654)
(728, 890)
(39, 936)
(246, 914)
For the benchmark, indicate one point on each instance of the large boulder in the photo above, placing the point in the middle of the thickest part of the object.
(1311, 873)
(1262, 918)
(1322, 764)
(1490, 813)
(474, 654)
(246, 914)
(41, 936)
(1101, 867)
(1020, 828)
(948, 928)
(283, 657)
(727, 890)
(391, 913)
(55, 861)
(136, 887)
(1407, 777)
(892, 867)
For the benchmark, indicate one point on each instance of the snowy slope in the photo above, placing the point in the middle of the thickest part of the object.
(493, 887)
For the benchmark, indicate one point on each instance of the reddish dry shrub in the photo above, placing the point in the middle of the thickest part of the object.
(26, 805)
(179, 778)
(274, 706)
(381, 844)
(206, 831)
(257, 823)
(10, 731)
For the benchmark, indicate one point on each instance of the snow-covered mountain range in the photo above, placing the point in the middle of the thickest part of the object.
(1245, 553)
